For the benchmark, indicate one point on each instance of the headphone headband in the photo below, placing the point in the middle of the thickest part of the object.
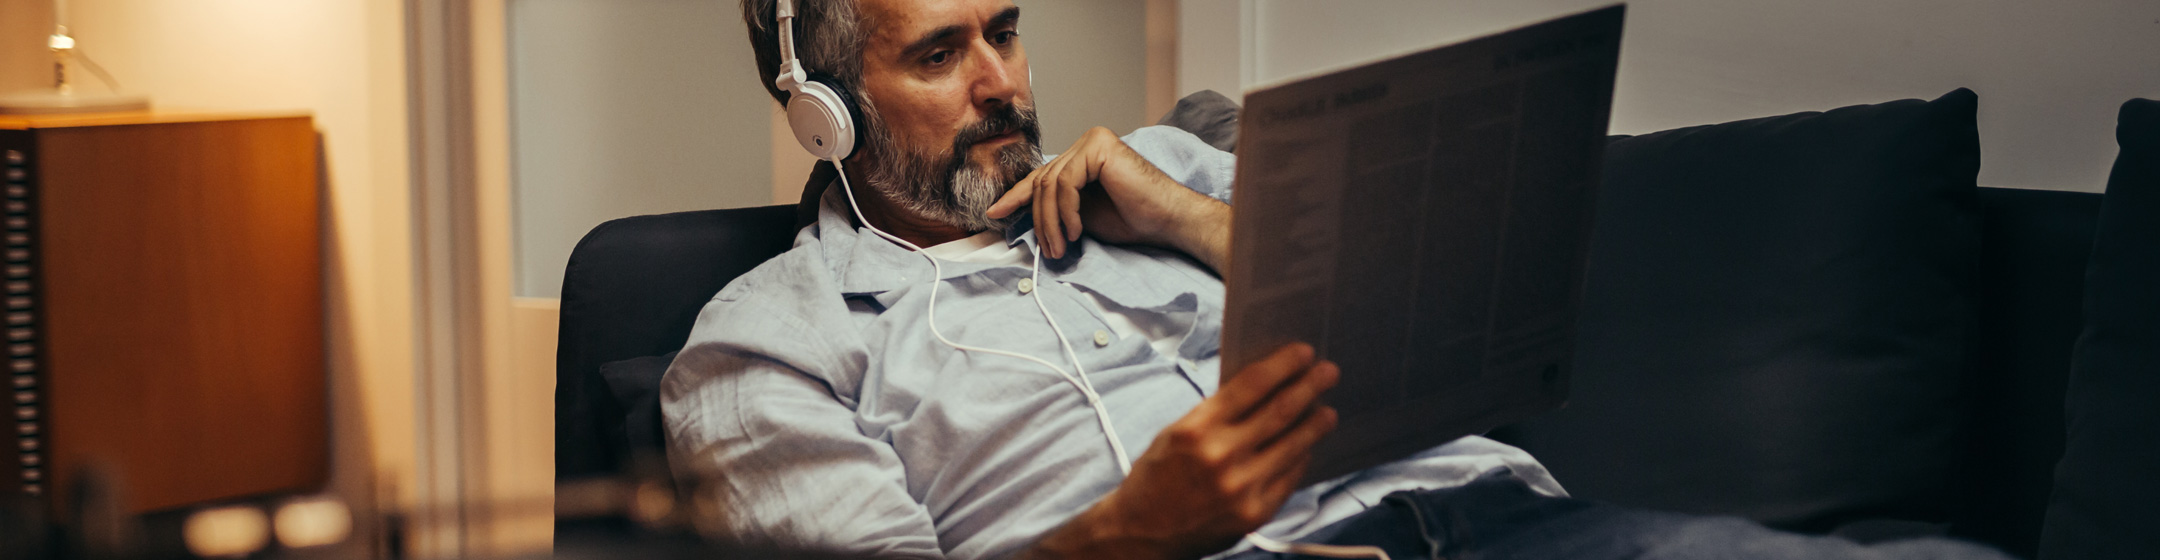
(820, 110)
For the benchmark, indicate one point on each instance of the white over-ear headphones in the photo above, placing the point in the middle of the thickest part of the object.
(820, 110)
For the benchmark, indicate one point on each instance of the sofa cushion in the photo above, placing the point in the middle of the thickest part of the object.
(1776, 318)
(2106, 502)
(635, 384)
(1207, 115)
(633, 287)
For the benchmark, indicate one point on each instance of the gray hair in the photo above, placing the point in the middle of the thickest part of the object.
(829, 38)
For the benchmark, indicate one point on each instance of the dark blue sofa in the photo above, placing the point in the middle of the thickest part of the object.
(634, 286)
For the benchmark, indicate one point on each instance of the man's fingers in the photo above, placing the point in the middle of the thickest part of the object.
(1071, 177)
(1046, 223)
(1286, 457)
(1042, 176)
(1294, 449)
(1296, 398)
(1049, 234)
(1286, 480)
(1260, 378)
(1014, 197)
(1084, 168)
(1069, 205)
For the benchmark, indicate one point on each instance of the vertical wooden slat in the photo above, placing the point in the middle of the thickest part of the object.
(1162, 58)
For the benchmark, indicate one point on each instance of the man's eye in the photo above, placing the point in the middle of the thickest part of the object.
(939, 58)
(1004, 37)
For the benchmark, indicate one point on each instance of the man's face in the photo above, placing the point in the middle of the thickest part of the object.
(948, 81)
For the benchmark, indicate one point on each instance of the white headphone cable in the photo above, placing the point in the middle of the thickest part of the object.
(1087, 389)
(1262, 542)
(1080, 381)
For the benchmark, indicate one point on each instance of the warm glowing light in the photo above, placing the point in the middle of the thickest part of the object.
(652, 503)
(226, 532)
(313, 522)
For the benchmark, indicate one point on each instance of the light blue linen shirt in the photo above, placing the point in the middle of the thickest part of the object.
(814, 404)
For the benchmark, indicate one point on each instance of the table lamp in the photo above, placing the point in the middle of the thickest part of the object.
(62, 96)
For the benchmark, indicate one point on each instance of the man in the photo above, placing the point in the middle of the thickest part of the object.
(824, 400)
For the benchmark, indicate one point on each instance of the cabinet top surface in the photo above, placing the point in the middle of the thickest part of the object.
(153, 116)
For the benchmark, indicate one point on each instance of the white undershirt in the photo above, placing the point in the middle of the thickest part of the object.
(989, 247)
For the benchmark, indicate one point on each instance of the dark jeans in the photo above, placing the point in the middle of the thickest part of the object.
(1496, 516)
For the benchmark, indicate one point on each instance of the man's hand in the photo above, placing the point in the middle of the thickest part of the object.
(1122, 198)
(1221, 471)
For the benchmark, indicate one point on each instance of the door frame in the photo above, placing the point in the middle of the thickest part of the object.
(483, 419)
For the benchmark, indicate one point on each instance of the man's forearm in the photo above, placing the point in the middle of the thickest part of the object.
(1095, 533)
(1205, 233)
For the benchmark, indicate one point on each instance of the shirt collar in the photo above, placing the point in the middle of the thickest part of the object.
(866, 263)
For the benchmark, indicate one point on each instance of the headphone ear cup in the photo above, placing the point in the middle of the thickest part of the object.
(822, 114)
(820, 122)
(846, 96)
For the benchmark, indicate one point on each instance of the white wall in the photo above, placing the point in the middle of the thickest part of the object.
(1090, 61)
(627, 107)
(24, 61)
(2050, 74)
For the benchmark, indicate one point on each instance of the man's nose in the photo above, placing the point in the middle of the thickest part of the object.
(994, 83)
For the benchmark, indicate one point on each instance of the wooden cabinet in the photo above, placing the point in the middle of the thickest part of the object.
(164, 305)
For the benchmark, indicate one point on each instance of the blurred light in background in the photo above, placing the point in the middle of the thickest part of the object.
(226, 532)
(313, 522)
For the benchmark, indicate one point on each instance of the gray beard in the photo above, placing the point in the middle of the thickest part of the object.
(943, 185)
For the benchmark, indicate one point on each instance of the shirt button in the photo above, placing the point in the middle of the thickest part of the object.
(1102, 338)
(1027, 285)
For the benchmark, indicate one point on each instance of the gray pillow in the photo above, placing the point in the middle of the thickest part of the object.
(635, 383)
(1208, 115)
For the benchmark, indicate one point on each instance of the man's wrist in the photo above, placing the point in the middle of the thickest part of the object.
(1205, 234)
(1099, 533)
(1092, 534)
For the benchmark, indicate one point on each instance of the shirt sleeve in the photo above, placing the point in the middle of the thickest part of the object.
(784, 459)
(1186, 159)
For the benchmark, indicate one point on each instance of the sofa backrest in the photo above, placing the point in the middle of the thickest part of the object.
(1778, 320)
(2034, 247)
(633, 288)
